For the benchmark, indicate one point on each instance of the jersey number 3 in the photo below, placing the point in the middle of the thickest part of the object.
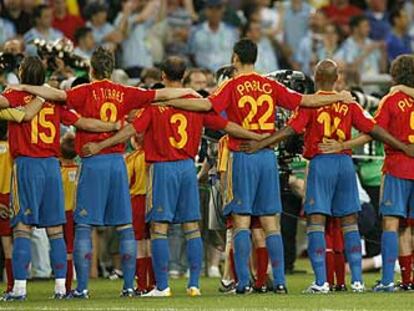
(42, 128)
(182, 123)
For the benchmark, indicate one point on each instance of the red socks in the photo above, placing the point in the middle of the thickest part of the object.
(262, 261)
(405, 264)
(69, 276)
(9, 272)
(141, 273)
(330, 268)
(232, 265)
(340, 268)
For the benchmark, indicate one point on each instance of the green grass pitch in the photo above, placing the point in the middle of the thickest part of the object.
(104, 296)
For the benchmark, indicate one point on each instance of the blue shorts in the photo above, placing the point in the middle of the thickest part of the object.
(253, 184)
(37, 193)
(172, 194)
(331, 187)
(103, 192)
(397, 197)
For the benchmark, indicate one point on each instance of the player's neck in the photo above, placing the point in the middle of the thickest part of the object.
(245, 69)
(324, 87)
(173, 84)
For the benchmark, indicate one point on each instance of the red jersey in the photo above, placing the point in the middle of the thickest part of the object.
(334, 122)
(68, 25)
(396, 115)
(39, 138)
(250, 100)
(172, 134)
(106, 101)
(341, 16)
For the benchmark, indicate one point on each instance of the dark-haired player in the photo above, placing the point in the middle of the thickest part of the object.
(396, 115)
(102, 193)
(250, 100)
(171, 141)
(68, 169)
(331, 188)
(37, 195)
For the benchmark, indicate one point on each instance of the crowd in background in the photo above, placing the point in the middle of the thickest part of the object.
(362, 36)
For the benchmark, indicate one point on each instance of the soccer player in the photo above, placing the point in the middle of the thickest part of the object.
(250, 100)
(136, 167)
(6, 165)
(335, 259)
(69, 169)
(102, 192)
(37, 194)
(396, 115)
(171, 141)
(331, 182)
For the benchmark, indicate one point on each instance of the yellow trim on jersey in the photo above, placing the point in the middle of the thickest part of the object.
(15, 203)
(6, 168)
(382, 102)
(12, 114)
(136, 167)
(69, 185)
(75, 199)
(223, 154)
(228, 192)
(150, 176)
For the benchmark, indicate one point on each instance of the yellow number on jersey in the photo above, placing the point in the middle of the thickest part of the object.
(329, 127)
(182, 127)
(411, 137)
(248, 120)
(40, 119)
(109, 112)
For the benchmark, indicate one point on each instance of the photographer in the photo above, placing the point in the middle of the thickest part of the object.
(10, 61)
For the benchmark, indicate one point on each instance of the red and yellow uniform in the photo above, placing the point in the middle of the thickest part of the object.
(6, 165)
(396, 115)
(37, 183)
(106, 101)
(137, 174)
(69, 173)
(331, 187)
(171, 141)
(330, 122)
(172, 134)
(250, 100)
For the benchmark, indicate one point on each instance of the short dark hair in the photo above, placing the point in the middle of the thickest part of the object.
(395, 13)
(355, 21)
(81, 33)
(174, 68)
(190, 72)
(94, 8)
(38, 11)
(102, 62)
(67, 146)
(402, 70)
(32, 71)
(246, 50)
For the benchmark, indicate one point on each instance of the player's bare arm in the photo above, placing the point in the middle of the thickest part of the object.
(377, 133)
(403, 88)
(253, 146)
(237, 131)
(171, 93)
(4, 103)
(94, 148)
(315, 100)
(24, 113)
(97, 126)
(190, 104)
(43, 91)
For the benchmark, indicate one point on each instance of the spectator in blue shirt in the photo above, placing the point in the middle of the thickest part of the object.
(378, 19)
(295, 23)
(211, 43)
(360, 51)
(398, 41)
(43, 18)
(266, 54)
